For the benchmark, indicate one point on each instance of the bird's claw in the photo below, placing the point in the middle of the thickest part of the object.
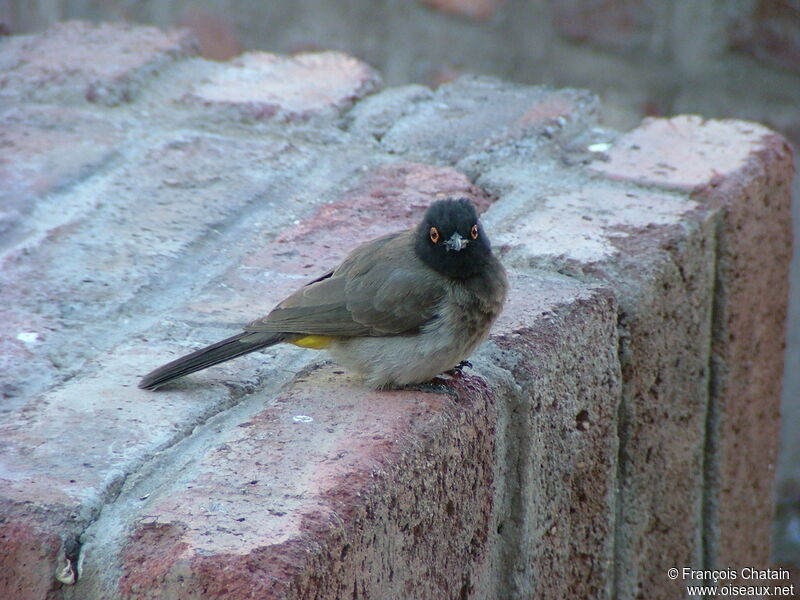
(464, 364)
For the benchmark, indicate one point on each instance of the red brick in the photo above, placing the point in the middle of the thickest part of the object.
(745, 170)
(67, 448)
(67, 453)
(264, 86)
(77, 272)
(590, 225)
(655, 251)
(459, 121)
(684, 153)
(106, 63)
(390, 198)
(282, 508)
(105, 408)
(748, 348)
(557, 340)
(30, 550)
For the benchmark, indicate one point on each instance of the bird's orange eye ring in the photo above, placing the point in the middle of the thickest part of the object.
(434, 233)
(473, 233)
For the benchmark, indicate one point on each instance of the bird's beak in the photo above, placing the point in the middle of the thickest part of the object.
(456, 242)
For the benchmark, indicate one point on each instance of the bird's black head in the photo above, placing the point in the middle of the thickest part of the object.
(451, 240)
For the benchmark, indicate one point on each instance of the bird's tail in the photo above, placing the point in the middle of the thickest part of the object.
(242, 343)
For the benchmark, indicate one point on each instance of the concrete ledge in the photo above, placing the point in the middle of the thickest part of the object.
(620, 421)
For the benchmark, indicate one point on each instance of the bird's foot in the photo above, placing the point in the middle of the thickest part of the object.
(464, 364)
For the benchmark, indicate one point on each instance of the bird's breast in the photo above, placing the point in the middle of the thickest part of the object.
(471, 308)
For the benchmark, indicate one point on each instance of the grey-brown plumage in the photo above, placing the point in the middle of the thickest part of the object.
(398, 310)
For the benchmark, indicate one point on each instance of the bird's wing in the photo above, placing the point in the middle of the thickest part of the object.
(381, 288)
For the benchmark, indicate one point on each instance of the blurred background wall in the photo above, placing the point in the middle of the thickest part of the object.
(717, 58)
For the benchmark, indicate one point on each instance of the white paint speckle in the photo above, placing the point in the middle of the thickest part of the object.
(28, 337)
(599, 147)
(302, 419)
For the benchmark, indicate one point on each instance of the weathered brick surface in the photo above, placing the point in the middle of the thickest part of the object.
(740, 168)
(166, 197)
(604, 434)
(553, 361)
(43, 149)
(461, 119)
(748, 343)
(264, 86)
(656, 251)
(174, 179)
(30, 554)
(74, 60)
(330, 491)
(685, 153)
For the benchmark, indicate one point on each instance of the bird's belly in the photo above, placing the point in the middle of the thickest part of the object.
(464, 322)
(401, 360)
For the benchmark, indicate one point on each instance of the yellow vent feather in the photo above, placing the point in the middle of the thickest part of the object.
(315, 342)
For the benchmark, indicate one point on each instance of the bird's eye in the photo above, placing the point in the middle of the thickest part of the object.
(434, 233)
(473, 233)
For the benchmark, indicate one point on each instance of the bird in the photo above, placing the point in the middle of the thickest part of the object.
(398, 311)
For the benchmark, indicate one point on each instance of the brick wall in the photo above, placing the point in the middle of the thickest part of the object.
(621, 420)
